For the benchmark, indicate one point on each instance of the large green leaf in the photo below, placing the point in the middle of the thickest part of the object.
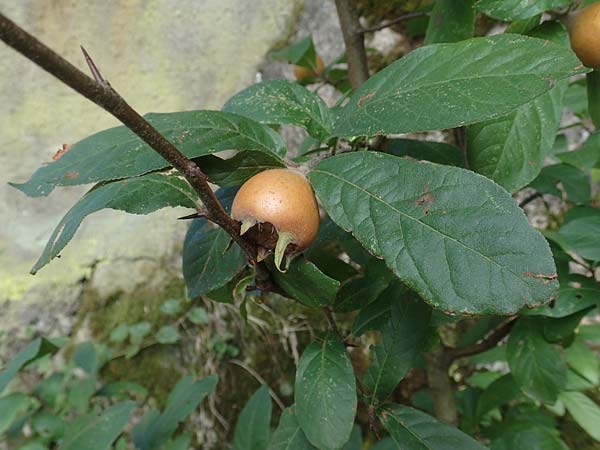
(283, 102)
(529, 437)
(511, 149)
(360, 290)
(289, 435)
(573, 296)
(38, 348)
(252, 427)
(501, 391)
(119, 153)
(583, 360)
(97, 432)
(450, 21)
(517, 9)
(402, 339)
(449, 85)
(585, 412)
(140, 195)
(325, 394)
(304, 282)
(537, 366)
(411, 429)
(455, 237)
(574, 182)
(155, 429)
(584, 158)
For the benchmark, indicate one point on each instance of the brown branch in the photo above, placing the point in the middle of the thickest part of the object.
(107, 98)
(437, 365)
(389, 23)
(358, 70)
(490, 341)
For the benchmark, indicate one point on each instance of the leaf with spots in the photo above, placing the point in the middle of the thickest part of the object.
(279, 102)
(450, 85)
(119, 153)
(326, 394)
(517, 9)
(455, 237)
(141, 195)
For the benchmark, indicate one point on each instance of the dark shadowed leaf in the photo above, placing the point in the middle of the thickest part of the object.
(574, 182)
(325, 394)
(402, 339)
(582, 237)
(119, 153)
(360, 290)
(450, 21)
(304, 282)
(530, 437)
(283, 102)
(289, 435)
(537, 366)
(236, 170)
(411, 429)
(449, 85)
(301, 53)
(155, 429)
(97, 432)
(501, 391)
(516, 9)
(141, 195)
(584, 158)
(252, 427)
(584, 410)
(437, 152)
(442, 230)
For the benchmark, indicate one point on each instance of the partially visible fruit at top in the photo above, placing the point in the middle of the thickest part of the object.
(584, 31)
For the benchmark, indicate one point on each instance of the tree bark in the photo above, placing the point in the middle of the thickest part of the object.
(437, 365)
(358, 70)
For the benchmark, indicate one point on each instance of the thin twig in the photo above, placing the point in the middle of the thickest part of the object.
(358, 70)
(333, 323)
(490, 341)
(106, 97)
(260, 379)
(389, 23)
(529, 199)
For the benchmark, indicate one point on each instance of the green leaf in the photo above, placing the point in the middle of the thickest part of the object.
(530, 437)
(12, 405)
(583, 360)
(167, 334)
(585, 412)
(557, 330)
(584, 158)
(501, 391)
(141, 195)
(325, 394)
(581, 236)
(85, 357)
(403, 338)
(97, 432)
(376, 314)
(437, 152)
(414, 430)
(574, 182)
(304, 282)
(537, 366)
(119, 153)
(289, 435)
(156, 429)
(48, 425)
(359, 291)
(80, 392)
(489, 77)
(450, 21)
(237, 170)
(171, 306)
(138, 331)
(301, 53)
(252, 427)
(37, 349)
(385, 444)
(198, 316)
(120, 333)
(208, 264)
(278, 102)
(511, 149)
(180, 443)
(442, 230)
(517, 9)
(577, 295)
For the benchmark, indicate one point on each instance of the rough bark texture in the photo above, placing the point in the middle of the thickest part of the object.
(442, 392)
(358, 70)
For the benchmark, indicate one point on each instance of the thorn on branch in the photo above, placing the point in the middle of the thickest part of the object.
(94, 69)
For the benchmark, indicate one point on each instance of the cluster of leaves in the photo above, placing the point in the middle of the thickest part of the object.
(73, 408)
(412, 240)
